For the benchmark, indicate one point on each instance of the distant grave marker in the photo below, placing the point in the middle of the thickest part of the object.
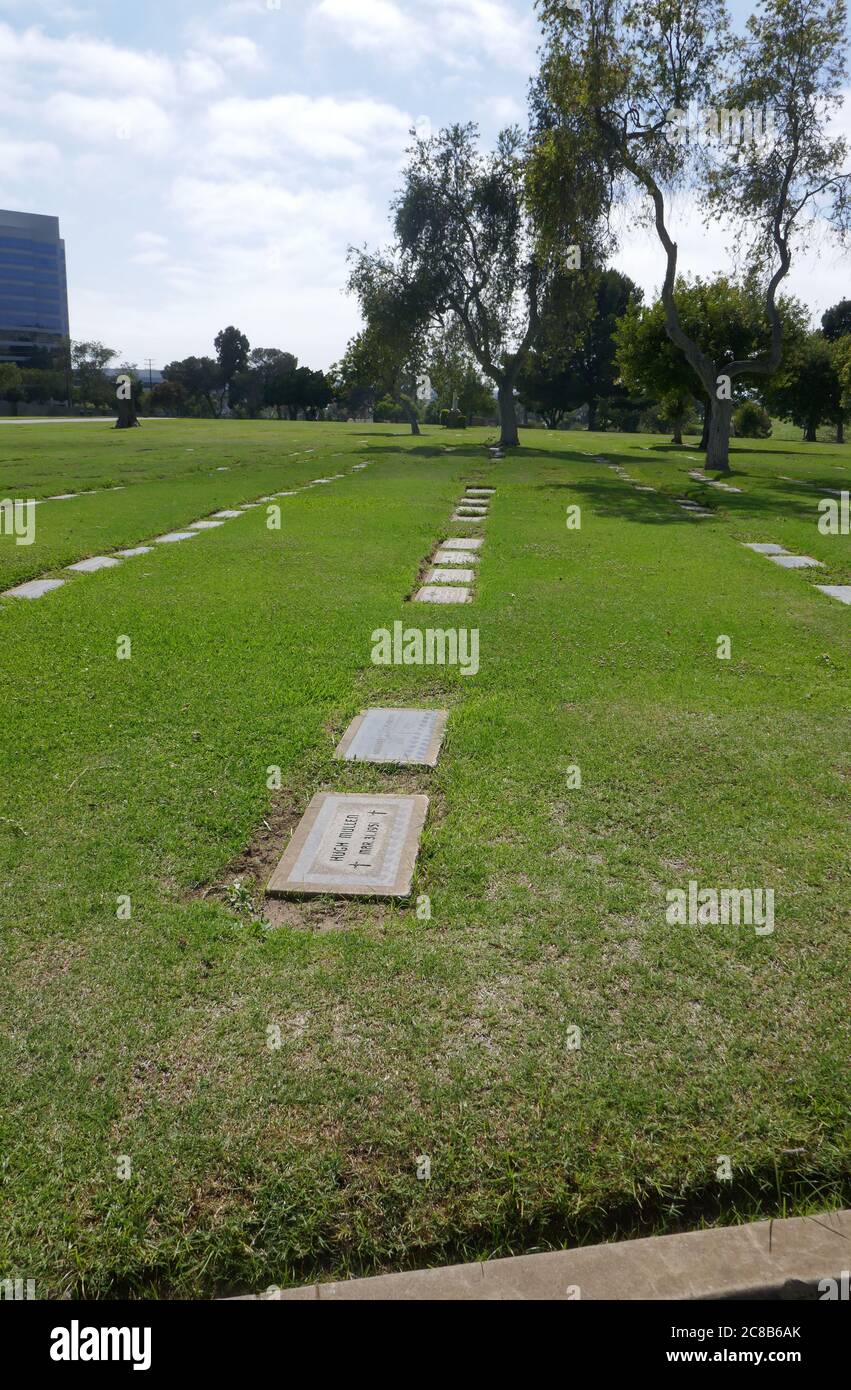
(455, 557)
(172, 537)
(354, 845)
(449, 576)
(462, 543)
(96, 562)
(403, 736)
(796, 562)
(442, 593)
(840, 591)
(34, 588)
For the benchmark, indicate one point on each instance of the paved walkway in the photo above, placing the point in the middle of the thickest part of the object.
(779, 1259)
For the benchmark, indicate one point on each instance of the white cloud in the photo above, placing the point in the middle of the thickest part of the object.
(84, 62)
(269, 130)
(459, 33)
(234, 50)
(27, 158)
(138, 126)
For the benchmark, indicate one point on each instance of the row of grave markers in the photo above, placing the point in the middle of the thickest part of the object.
(447, 585)
(364, 844)
(37, 588)
(777, 553)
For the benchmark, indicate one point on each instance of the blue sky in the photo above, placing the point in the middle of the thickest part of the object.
(210, 163)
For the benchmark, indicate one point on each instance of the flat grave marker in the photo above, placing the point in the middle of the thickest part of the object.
(765, 547)
(172, 537)
(34, 588)
(442, 593)
(204, 525)
(135, 550)
(455, 557)
(95, 563)
(403, 736)
(450, 576)
(840, 591)
(227, 514)
(354, 845)
(462, 543)
(796, 562)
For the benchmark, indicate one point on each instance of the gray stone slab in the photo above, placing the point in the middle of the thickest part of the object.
(228, 514)
(96, 562)
(765, 547)
(840, 591)
(442, 593)
(277, 494)
(455, 557)
(639, 488)
(34, 588)
(480, 491)
(135, 550)
(62, 496)
(403, 736)
(353, 845)
(796, 562)
(205, 525)
(171, 537)
(760, 1260)
(474, 508)
(462, 543)
(450, 576)
(465, 516)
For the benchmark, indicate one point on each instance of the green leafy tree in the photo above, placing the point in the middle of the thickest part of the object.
(809, 390)
(11, 384)
(574, 363)
(170, 397)
(728, 318)
(635, 71)
(201, 380)
(391, 349)
(232, 349)
(836, 321)
(454, 377)
(89, 361)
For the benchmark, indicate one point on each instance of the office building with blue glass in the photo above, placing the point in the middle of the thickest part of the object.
(33, 288)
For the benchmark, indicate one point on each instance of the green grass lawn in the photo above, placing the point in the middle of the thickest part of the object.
(449, 1037)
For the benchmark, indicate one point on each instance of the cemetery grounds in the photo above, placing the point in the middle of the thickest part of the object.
(213, 1094)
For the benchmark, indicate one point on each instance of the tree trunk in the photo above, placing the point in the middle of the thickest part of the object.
(592, 414)
(410, 414)
(677, 437)
(810, 432)
(718, 447)
(127, 417)
(704, 438)
(840, 432)
(508, 435)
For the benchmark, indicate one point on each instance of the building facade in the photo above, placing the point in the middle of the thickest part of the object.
(33, 288)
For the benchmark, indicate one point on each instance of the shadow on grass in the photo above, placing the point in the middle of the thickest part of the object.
(614, 498)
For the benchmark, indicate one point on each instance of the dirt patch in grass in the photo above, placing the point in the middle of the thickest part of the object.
(241, 886)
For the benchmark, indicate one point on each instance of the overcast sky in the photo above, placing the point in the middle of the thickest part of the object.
(210, 163)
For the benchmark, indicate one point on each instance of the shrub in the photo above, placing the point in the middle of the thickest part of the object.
(750, 421)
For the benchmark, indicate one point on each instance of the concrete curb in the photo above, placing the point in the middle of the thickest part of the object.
(768, 1259)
